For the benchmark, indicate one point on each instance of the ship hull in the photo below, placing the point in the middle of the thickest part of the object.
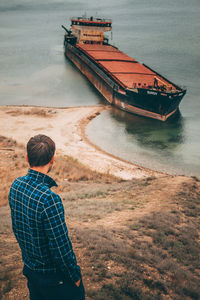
(158, 105)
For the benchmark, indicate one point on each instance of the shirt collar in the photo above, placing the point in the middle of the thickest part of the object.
(40, 177)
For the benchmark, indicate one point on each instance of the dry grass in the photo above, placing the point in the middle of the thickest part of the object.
(13, 164)
(154, 258)
(66, 169)
(36, 111)
(134, 239)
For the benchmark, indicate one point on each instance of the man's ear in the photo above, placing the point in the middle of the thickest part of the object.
(27, 158)
(52, 160)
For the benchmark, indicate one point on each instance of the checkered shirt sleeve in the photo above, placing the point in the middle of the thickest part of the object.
(59, 243)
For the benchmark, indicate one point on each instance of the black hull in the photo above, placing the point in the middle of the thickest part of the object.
(149, 103)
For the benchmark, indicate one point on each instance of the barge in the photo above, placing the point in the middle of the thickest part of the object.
(123, 81)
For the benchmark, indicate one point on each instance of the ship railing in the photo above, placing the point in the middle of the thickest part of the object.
(92, 19)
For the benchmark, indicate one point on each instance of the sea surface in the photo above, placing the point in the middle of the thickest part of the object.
(165, 35)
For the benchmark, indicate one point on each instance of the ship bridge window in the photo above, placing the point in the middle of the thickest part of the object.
(91, 23)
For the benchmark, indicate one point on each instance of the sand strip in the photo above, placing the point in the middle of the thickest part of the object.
(66, 126)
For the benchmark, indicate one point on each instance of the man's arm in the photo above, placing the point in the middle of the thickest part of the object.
(60, 245)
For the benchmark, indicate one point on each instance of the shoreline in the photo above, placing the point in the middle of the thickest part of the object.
(66, 126)
(82, 127)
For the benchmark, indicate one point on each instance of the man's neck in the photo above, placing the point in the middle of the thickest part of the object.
(41, 169)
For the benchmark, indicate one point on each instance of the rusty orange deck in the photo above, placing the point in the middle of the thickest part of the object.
(122, 68)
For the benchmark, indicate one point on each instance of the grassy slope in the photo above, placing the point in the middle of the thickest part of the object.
(134, 239)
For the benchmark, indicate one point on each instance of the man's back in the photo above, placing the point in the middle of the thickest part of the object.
(28, 197)
(38, 222)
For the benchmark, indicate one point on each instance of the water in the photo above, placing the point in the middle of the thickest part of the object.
(163, 34)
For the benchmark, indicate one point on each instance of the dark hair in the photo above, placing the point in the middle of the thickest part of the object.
(40, 150)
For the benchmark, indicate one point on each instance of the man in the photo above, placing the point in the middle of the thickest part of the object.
(39, 225)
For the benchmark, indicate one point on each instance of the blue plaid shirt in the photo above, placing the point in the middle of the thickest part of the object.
(39, 225)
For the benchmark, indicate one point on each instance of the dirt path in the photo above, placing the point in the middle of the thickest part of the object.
(155, 196)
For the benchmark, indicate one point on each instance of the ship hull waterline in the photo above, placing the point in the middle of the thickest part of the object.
(116, 98)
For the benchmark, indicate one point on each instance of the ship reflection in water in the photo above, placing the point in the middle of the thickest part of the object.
(150, 133)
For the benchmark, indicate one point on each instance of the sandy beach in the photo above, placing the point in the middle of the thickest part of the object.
(66, 126)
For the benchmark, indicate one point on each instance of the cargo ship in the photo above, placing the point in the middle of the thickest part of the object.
(123, 81)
